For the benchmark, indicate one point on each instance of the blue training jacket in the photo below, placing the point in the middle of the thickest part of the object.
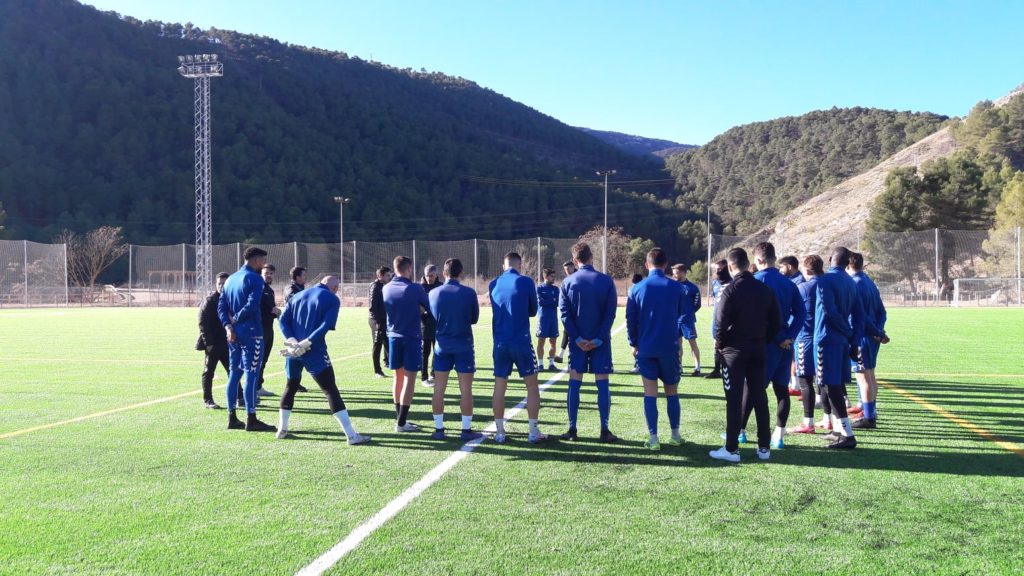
(791, 306)
(655, 314)
(692, 292)
(403, 300)
(456, 309)
(809, 294)
(513, 303)
(240, 301)
(797, 278)
(871, 302)
(838, 315)
(309, 315)
(587, 304)
(547, 303)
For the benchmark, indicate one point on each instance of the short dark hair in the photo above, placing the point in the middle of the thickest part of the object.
(722, 272)
(402, 264)
(857, 261)
(681, 268)
(547, 271)
(383, 270)
(815, 264)
(453, 267)
(581, 252)
(765, 251)
(253, 252)
(223, 275)
(269, 266)
(789, 261)
(568, 264)
(840, 256)
(657, 257)
(296, 272)
(738, 258)
(638, 278)
(514, 259)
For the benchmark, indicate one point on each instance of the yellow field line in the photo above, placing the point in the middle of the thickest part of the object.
(971, 426)
(94, 415)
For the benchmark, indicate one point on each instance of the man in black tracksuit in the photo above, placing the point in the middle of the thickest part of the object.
(213, 340)
(746, 318)
(268, 312)
(379, 318)
(429, 324)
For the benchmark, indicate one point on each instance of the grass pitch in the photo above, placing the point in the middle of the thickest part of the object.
(163, 488)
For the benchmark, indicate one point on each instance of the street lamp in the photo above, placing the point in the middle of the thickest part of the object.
(341, 201)
(604, 240)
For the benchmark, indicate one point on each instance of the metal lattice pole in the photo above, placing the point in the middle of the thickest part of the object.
(200, 68)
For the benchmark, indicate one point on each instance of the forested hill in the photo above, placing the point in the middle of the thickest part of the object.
(96, 128)
(639, 145)
(755, 173)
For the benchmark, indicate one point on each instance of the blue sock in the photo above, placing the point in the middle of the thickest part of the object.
(869, 410)
(234, 378)
(673, 411)
(604, 402)
(572, 401)
(250, 391)
(651, 413)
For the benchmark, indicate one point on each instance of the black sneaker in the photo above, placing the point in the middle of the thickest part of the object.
(234, 423)
(696, 373)
(713, 374)
(253, 424)
(865, 424)
(211, 405)
(607, 437)
(845, 443)
(302, 388)
(832, 437)
(570, 434)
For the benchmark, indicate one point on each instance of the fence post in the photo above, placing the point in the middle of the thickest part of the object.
(413, 261)
(296, 250)
(540, 277)
(708, 262)
(24, 244)
(353, 263)
(129, 275)
(67, 282)
(184, 265)
(475, 271)
(938, 281)
(1019, 301)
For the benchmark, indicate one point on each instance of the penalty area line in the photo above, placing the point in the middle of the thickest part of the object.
(120, 409)
(328, 559)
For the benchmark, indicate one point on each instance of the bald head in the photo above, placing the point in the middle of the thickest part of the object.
(331, 282)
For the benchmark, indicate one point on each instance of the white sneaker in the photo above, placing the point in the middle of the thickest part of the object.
(500, 438)
(407, 427)
(358, 439)
(764, 453)
(537, 438)
(264, 392)
(427, 383)
(723, 454)
(282, 434)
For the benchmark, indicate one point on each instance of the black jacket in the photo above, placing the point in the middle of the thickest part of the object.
(429, 323)
(211, 331)
(292, 289)
(747, 314)
(267, 303)
(377, 310)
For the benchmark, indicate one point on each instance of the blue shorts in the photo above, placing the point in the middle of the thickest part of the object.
(803, 354)
(463, 362)
(664, 368)
(868, 355)
(597, 361)
(833, 365)
(405, 353)
(522, 355)
(314, 361)
(547, 327)
(246, 354)
(689, 330)
(778, 364)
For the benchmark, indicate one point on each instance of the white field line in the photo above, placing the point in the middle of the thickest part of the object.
(355, 538)
(94, 415)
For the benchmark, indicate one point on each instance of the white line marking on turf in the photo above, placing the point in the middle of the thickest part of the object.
(14, 433)
(328, 559)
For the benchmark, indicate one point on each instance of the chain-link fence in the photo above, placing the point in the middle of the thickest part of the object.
(910, 268)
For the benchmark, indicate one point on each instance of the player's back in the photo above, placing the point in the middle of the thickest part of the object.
(590, 299)
(513, 303)
(836, 298)
(809, 294)
(455, 308)
(241, 297)
(654, 310)
(787, 295)
(871, 300)
(309, 310)
(402, 301)
(692, 292)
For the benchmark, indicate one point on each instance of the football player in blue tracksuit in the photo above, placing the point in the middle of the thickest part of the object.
(513, 303)
(404, 300)
(679, 272)
(456, 310)
(874, 337)
(655, 315)
(790, 268)
(778, 359)
(239, 313)
(838, 328)
(804, 352)
(547, 319)
(305, 322)
(587, 305)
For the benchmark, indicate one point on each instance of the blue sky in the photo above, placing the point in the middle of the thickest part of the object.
(679, 70)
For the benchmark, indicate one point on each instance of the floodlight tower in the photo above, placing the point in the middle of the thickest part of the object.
(202, 67)
(604, 238)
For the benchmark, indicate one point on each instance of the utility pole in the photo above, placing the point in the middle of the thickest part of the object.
(604, 241)
(341, 201)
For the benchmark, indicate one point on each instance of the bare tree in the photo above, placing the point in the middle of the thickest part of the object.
(91, 253)
(618, 249)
